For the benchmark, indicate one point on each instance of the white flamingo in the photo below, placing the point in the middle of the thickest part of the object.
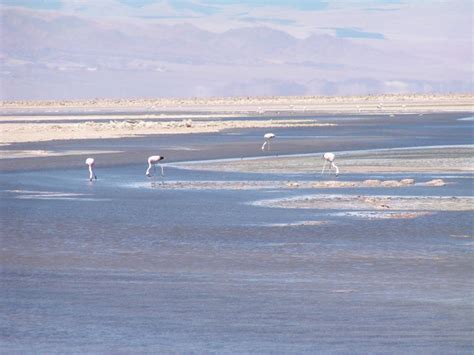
(90, 162)
(268, 137)
(152, 162)
(329, 158)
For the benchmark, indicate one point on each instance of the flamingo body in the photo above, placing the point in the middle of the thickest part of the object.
(329, 158)
(152, 161)
(268, 137)
(90, 162)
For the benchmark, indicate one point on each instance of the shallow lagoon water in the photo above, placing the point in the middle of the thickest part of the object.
(119, 265)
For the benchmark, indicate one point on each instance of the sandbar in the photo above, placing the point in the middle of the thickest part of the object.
(373, 203)
(271, 184)
(449, 159)
(39, 121)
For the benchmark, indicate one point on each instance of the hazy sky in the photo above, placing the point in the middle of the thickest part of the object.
(373, 19)
(406, 23)
(438, 33)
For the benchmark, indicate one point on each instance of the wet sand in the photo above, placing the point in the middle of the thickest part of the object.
(373, 202)
(161, 183)
(407, 160)
(349, 104)
(29, 121)
(38, 132)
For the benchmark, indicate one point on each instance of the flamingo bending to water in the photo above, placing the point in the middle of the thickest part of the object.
(152, 162)
(268, 137)
(329, 158)
(90, 162)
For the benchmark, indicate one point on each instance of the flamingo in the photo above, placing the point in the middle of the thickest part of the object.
(91, 162)
(329, 157)
(268, 137)
(152, 162)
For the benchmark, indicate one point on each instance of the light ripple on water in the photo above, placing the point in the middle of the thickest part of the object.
(52, 195)
(38, 197)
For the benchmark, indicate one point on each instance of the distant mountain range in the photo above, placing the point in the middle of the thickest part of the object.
(57, 56)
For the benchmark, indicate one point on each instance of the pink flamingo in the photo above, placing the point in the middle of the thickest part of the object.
(329, 158)
(268, 137)
(152, 162)
(90, 162)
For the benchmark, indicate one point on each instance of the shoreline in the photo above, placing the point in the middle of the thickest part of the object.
(414, 160)
(366, 203)
(47, 121)
(41, 132)
(460, 102)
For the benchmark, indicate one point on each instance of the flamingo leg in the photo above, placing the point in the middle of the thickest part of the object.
(335, 167)
(324, 167)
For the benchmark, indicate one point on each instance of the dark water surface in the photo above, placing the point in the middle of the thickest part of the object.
(123, 265)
